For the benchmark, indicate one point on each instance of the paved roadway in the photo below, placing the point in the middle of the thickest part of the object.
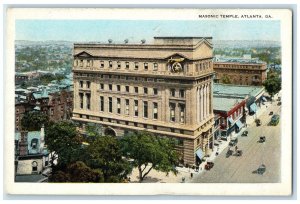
(242, 169)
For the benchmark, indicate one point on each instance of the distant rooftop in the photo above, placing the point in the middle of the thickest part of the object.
(237, 91)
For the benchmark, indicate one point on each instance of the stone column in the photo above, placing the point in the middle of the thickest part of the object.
(177, 114)
(201, 103)
(198, 107)
(205, 102)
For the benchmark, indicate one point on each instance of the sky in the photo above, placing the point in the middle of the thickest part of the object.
(134, 31)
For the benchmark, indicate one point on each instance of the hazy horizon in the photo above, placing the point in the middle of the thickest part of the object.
(134, 31)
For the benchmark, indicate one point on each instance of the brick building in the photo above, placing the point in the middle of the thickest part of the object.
(164, 88)
(240, 72)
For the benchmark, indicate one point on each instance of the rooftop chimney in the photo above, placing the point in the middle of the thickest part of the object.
(23, 145)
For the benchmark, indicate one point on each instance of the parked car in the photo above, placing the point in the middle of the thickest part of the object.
(271, 113)
(258, 122)
(233, 142)
(245, 133)
(279, 103)
(274, 120)
(209, 165)
(262, 139)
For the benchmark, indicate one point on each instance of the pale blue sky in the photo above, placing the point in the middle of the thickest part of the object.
(118, 30)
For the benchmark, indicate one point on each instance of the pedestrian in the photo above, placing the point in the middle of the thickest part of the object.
(192, 175)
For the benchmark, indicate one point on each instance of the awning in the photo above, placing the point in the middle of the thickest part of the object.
(264, 99)
(253, 107)
(230, 120)
(199, 153)
(239, 124)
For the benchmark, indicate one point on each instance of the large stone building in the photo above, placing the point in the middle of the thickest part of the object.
(164, 88)
(240, 71)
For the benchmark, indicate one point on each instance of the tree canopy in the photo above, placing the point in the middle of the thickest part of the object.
(77, 172)
(272, 84)
(33, 120)
(150, 152)
(104, 153)
(63, 140)
(225, 80)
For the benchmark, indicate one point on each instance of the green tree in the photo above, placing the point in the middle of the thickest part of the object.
(272, 84)
(33, 120)
(105, 154)
(150, 152)
(64, 142)
(77, 172)
(225, 80)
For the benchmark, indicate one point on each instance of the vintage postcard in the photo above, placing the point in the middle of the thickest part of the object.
(148, 101)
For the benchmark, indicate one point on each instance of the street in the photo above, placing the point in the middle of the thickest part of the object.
(243, 169)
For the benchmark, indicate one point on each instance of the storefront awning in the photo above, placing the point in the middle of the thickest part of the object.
(230, 120)
(199, 153)
(253, 107)
(264, 99)
(239, 124)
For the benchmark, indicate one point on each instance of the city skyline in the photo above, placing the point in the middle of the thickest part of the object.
(134, 31)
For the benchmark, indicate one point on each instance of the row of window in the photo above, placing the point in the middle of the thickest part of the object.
(173, 92)
(237, 66)
(135, 124)
(203, 66)
(117, 65)
(128, 89)
(135, 106)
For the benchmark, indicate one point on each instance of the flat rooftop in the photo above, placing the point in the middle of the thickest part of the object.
(237, 91)
(225, 104)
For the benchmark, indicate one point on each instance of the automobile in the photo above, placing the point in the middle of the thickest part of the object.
(209, 165)
(274, 120)
(258, 122)
(245, 133)
(233, 142)
(271, 113)
(261, 169)
(239, 152)
(262, 139)
(279, 103)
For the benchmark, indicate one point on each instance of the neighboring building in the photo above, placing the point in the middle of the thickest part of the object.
(240, 71)
(164, 88)
(20, 109)
(60, 105)
(31, 157)
(217, 129)
(232, 114)
(254, 95)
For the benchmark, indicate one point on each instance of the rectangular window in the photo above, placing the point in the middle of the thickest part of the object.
(110, 87)
(145, 109)
(155, 92)
(118, 88)
(81, 84)
(154, 110)
(88, 63)
(136, 89)
(101, 103)
(182, 112)
(145, 90)
(136, 108)
(110, 64)
(172, 112)
(127, 65)
(146, 66)
(88, 101)
(88, 84)
(127, 88)
(102, 86)
(81, 63)
(181, 93)
(172, 91)
(119, 65)
(136, 65)
(110, 104)
(81, 99)
(127, 106)
(155, 66)
(101, 64)
(118, 105)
